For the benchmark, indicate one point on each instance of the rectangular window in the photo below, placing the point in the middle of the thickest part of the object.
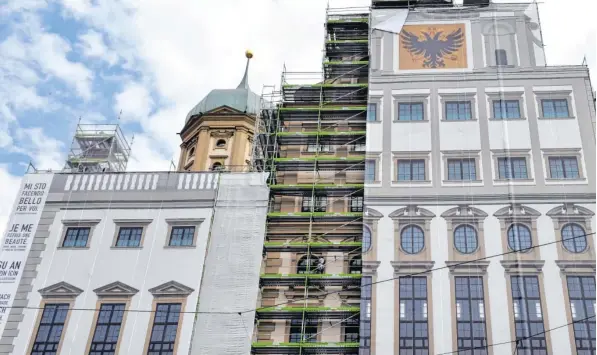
(165, 327)
(182, 236)
(372, 112)
(413, 336)
(501, 57)
(358, 146)
(410, 112)
(312, 147)
(528, 315)
(321, 203)
(581, 292)
(563, 168)
(411, 170)
(322, 147)
(356, 204)
(49, 332)
(76, 237)
(107, 329)
(462, 169)
(351, 330)
(512, 168)
(310, 333)
(306, 205)
(370, 171)
(458, 111)
(470, 314)
(555, 108)
(365, 314)
(506, 109)
(129, 237)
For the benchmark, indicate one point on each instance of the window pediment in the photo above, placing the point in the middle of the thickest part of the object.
(116, 289)
(412, 213)
(464, 213)
(570, 212)
(517, 212)
(171, 289)
(60, 290)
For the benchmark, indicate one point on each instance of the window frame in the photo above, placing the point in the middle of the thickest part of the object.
(530, 241)
(509, 162)
(553, 102)
(562, 164)
(482, 318)
(498, 58)
(152, 326)
(412, 227)
(355, 265)
(468, 114)
(410, 105)
(523, 297)
(78, 229)
(193, 230)
(359, 206)
(311, 266)
(505, 102)
(38, 324)
(119, 229)
(96, 323)
(575, 240)
(461, 162)
(370, 164)
(303, 337)
(583, 299)
(476, 239)
(410, 163)
(182, 222)
(414, 321)
(375, 115)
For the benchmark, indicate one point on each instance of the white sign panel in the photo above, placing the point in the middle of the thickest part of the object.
(18, 237)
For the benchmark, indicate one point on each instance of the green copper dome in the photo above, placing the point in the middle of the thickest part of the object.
(241, 99)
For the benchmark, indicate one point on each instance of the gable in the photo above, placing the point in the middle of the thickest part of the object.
(60, 290)
(116, 289)
(171, 288)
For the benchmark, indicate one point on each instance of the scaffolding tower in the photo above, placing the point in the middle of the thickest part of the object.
(311, 138)
(98, 148)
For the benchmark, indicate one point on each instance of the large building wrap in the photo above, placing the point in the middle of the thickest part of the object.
(229, 289)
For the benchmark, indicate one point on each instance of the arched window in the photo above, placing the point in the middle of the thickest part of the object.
(465, 239)
(355, 265)
(366, 239)
(519, 237)
(412, 239)
(220, 143)
(310, 265)
(217, 166)
(574, 238)
(192, 152)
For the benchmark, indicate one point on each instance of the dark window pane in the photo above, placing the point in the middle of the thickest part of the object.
(528, 315)
(501, 57)
(371, 112)
(581, 292)
(370, 171)
(512, 168)
(411, 170)
(366, 239)
(165, 328)
(413, 333)
(412, 239)
(465, 239)
(310, 265)
(182, 236)
(410, 112)
(563, 168)
(356, 204)
(462, 169)
(506, 109)
(574, 238)
(555, 108)
(129, 237)
(76, 237)
(458, 111)
(519, 237)
(107, 329)
(49, 332)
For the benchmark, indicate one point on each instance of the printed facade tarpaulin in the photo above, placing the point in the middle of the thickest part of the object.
(224, 325)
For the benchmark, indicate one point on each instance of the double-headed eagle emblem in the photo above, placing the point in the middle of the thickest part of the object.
(433, 47)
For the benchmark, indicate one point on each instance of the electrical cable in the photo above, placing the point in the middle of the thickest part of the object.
(519, 339)
(331, 292)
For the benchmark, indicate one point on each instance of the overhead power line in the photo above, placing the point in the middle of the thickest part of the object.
(327, 293)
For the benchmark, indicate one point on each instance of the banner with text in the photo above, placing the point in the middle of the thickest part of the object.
(18, 237)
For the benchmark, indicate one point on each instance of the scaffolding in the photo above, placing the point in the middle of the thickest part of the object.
(98, 148)
(310, 136)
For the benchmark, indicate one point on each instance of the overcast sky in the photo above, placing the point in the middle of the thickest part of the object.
(154, 60)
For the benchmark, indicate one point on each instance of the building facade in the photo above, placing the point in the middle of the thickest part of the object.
(480, 160)
(117, 262)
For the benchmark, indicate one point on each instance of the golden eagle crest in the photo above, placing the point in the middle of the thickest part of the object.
(433, 47)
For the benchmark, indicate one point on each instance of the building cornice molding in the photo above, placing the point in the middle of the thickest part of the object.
(369, 268)
(412, 213)
(412, 267)
(479, 199)
(523, 266)
(478, 267)
(574, 267)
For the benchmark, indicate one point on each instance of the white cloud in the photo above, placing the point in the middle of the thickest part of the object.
(10, 185)
(93, 46)
(134, 101)
(45, 152)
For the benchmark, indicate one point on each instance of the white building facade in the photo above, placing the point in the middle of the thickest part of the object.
(481, 159)
(117, 264)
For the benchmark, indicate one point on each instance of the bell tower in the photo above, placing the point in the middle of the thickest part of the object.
(218, 131)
